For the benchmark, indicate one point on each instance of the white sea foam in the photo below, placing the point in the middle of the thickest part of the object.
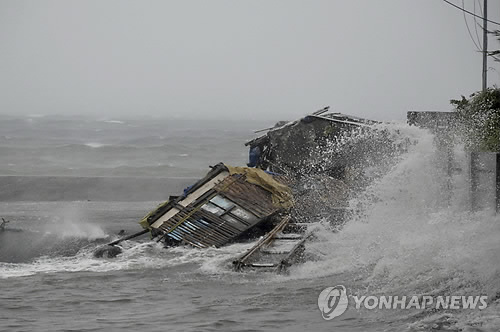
(414, 236)
(94, 144)
(149, 255)
(114, 121)
(135, 256)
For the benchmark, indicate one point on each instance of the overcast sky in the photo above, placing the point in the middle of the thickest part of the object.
(238, 59)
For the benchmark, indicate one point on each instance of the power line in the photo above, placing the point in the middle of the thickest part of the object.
(475, 20)
(470, 13)
(467, 25)
(480, 8)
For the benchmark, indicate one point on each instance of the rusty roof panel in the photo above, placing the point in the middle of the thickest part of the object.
(251, 197)
(202, 229)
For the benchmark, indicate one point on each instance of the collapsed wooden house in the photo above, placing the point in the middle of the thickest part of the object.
(227, 204)
(231, 204)
(287, 147)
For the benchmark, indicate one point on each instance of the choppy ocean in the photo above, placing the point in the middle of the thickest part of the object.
(70, 184)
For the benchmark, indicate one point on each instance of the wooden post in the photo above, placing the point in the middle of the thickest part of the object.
(485, 45)
(128, 237)
(498, 183)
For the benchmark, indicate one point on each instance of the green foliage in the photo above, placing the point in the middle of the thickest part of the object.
(479, 117)
(496, 53)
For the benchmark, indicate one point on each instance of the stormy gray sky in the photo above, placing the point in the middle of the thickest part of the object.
(238, 59)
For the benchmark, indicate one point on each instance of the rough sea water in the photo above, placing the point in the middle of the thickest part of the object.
(71, 184)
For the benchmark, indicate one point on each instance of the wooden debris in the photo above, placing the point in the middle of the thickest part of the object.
(276, 251)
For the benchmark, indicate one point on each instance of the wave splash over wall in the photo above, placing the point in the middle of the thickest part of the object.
(413, 233)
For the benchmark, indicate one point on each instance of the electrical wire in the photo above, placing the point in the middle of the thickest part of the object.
(475, 23)
(470, 13)
(467, 25)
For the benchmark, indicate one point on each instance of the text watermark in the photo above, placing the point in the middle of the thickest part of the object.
(333, 302)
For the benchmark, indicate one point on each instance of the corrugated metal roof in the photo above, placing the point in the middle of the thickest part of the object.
(342, 119)
(220, 214)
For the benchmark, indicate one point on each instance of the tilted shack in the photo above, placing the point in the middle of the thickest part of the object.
(226, 204)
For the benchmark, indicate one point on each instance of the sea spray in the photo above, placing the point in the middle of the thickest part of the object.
(414, 235)
(338, 171)
(70, 222)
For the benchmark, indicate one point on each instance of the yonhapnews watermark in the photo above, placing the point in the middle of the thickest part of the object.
(333, 302)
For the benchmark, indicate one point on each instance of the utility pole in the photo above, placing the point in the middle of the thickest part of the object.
(485, 45)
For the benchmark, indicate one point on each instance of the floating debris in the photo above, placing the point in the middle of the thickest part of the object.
(277, 250)
(3, 224)
(108, 251)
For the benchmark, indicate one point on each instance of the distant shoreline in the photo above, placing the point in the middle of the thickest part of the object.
(101, 176)
(101, 188)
